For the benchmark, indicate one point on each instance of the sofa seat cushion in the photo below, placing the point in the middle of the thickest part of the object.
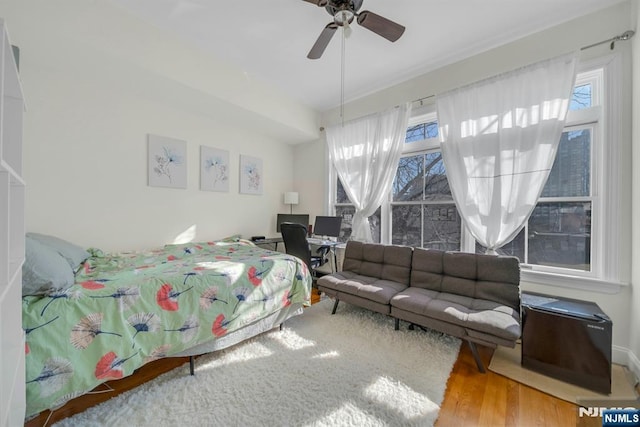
(472, 313)
(372, 288)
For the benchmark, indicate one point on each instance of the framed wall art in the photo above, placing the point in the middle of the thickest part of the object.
(251, 176)
(167, 162)
(214, 169)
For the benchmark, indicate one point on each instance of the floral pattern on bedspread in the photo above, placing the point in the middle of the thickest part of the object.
(126, 310)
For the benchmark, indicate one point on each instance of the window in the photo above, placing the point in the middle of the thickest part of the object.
(422, 210)
(574, 233)
(345, 209)
(558, 233)
(558, 236)
(422, 131)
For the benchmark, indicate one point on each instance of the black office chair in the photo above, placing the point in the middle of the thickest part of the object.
(295, 243)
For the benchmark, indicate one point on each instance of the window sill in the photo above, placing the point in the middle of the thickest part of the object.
(574, 282)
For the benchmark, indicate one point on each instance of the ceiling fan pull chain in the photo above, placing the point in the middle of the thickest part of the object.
(342, 75)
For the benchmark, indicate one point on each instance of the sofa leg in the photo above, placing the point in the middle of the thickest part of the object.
(397, 326)
(476, 356)
(191, 365)
(335, 306)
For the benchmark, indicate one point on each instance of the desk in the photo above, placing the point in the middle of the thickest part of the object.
(269, 241)
(311, 240)
(320, 242)
(332, 244)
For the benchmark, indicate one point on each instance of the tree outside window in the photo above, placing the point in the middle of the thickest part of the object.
(422, 210)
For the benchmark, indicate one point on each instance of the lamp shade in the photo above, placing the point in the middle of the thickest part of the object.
(291, 198)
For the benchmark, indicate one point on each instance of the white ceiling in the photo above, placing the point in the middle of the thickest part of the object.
(270, 39)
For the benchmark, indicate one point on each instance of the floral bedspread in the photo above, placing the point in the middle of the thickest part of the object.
(125, 310)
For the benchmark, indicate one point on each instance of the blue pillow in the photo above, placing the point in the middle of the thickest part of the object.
(44, 270)
(74, 254)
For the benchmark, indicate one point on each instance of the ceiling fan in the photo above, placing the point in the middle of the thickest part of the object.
(343, 12)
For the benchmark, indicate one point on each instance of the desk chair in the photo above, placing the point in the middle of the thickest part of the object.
(295, 243)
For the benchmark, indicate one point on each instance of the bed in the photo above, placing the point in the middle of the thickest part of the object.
(127, 309)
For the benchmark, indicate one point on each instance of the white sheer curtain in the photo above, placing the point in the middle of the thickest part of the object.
(365, 153)
(499, 140)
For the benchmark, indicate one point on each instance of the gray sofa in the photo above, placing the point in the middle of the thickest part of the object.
(471, 296)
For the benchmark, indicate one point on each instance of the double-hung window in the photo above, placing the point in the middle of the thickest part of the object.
(574, 236)
(558, 234)
(422, 211)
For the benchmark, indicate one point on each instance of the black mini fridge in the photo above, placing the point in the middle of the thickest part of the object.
(567, 339)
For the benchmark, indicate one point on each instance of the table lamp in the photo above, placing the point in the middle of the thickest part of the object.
(291, 198)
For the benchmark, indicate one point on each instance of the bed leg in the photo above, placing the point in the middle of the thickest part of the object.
(281, 326)
(191, 365)
(335, 306)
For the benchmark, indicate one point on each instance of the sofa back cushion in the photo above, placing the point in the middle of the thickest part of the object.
(385, 262)
(353, 256)
(426, 269)
(488, 277)
(498, 279)
(397, 264)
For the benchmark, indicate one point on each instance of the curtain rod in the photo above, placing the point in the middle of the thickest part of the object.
(420, 100)
(624, 36)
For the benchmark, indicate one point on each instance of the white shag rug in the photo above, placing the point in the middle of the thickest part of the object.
(349, 369)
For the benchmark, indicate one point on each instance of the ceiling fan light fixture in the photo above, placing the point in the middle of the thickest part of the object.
(343, 17)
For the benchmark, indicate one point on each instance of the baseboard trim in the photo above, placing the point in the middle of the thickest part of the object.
(624, 356)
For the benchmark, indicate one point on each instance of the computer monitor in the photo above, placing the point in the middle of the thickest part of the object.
(327, 226)
(297, 218)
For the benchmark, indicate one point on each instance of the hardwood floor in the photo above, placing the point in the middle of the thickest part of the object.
(475, 399)
(471, 399)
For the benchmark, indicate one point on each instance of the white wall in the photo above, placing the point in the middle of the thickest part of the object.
(551, 42)
(313, 194)
(96, 82)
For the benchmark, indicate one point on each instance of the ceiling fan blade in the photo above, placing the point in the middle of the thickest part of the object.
(319, 3)
(323, 40)
(380, 25)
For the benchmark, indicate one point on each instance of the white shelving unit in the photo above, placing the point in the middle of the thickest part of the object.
(12, 231)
